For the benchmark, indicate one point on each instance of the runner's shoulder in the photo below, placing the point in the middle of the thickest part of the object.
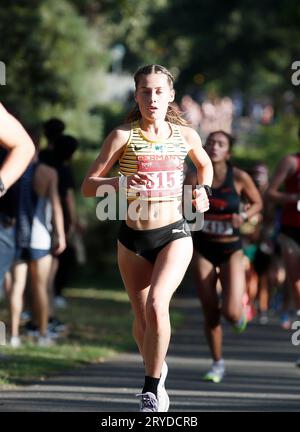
(190, 135)
(119, 136)
(122, 131)
(240, 175)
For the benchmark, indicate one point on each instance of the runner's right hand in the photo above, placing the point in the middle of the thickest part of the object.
(139, 181)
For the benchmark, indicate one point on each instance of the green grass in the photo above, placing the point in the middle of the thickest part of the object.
(99, 323)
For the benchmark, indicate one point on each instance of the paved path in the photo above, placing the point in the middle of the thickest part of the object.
(261, 375)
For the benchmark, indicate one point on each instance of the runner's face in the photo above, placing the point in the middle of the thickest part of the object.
(218, 148)
(153, 95)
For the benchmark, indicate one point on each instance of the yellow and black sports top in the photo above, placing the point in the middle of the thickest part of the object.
(161, 160)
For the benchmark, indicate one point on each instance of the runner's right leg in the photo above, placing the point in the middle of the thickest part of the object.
(136, 274)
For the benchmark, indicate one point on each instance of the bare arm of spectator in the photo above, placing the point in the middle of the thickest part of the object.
(15, 139)
(58, 220)
(71, 209)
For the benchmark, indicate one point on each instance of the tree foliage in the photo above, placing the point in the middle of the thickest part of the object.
(56, 51)
(54, 62)
(246, 44)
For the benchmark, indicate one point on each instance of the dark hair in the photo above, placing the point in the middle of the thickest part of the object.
(64, 147)
(173, 114)
(230, 138)
(53, 128)
(153, 68)
(34, 131)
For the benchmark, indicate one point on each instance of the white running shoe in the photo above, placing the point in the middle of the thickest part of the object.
(149, 402)
(45, 341)
(216, 373)
(163, 375)
(162, 395)
(263, 318)
(60, 302)
(15, 342)
(163, 400)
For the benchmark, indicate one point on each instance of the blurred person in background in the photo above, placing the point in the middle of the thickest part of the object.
(265, 273)
(191, 111)
(258, 247)
(38, 205)
(53, 129)
(267, 263)
(16, 152)
(218, 254)
(284, 189)
(63, 150)
(59, 156)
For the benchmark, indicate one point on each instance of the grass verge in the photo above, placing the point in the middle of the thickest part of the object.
(99, 326)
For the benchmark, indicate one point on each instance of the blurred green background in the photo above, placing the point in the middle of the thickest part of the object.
(74, 59)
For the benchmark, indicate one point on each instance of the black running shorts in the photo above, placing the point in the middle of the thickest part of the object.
(148, 243)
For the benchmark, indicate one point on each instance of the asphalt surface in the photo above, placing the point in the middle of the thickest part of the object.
(260, 375)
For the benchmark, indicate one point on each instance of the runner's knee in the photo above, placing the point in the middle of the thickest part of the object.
(156, 312)
(212, 318)
(231, 313)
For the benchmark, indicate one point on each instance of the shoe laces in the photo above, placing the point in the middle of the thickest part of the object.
(148, 400)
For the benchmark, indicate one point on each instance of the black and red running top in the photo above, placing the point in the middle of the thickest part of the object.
(224, 202)
(290, 214)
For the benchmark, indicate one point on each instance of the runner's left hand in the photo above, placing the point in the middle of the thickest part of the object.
(201, 201)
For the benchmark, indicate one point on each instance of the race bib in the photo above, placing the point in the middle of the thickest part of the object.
(218, 227)
(165, 173)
